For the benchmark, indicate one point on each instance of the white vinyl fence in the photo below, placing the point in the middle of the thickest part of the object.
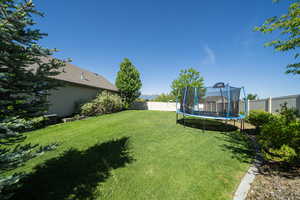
(150, 105)
(270, 104)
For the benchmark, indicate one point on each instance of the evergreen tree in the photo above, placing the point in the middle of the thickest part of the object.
(128, 82)
(25, 79)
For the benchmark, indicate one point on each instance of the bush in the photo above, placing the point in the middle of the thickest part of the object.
(289, 114)
(258, 118)
(280, 139)
(104, 103)
(88, 109)
(284, 154)
(38, 122)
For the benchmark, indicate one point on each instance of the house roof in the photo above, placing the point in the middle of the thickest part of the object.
(74, 74)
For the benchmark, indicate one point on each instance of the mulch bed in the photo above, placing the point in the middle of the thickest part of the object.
(276, 182)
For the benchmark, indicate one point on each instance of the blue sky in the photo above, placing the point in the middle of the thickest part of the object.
(162, 37)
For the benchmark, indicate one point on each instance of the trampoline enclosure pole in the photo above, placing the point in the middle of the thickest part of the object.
(222, 101)
(184, 103)
(198, 99)
(246, 102)
(228, 100)
(177, 106)
(195, 99)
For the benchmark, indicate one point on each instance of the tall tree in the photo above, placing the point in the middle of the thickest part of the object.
(25, 79)
(289, 26)
(187, 77)
(252, 96)
(128, 82)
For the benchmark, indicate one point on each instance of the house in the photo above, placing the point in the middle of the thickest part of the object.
(79, 86)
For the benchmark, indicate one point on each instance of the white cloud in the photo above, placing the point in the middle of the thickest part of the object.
(210, 56)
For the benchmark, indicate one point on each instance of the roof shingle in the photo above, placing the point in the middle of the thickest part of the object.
(74, 74)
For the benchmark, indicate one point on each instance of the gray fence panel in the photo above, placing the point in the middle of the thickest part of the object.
(293, 101)
(298, 103)
(241, 106)
(276, 102)
(259, 105)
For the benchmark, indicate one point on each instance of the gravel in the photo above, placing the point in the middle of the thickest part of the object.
(276, 182)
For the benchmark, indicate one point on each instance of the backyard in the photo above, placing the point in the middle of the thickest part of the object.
(135, 155)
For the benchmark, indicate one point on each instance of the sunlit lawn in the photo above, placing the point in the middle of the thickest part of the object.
(135, 155)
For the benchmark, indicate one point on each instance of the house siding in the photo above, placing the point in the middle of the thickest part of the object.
(63, 100)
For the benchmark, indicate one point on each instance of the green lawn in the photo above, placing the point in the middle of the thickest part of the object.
(135, 155)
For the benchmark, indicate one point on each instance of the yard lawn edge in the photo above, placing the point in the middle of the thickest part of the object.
(245, 184)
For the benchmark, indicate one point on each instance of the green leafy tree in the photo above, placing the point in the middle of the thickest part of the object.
(165, 98)
(187, 77)
(128, 82)
(252, 96)
(25, 79)
(289, 26)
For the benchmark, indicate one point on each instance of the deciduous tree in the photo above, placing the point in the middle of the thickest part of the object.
(187, 77)
(252, 96)
(165, 97)
(288, 25)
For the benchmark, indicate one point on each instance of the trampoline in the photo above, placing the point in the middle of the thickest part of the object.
(219, 102)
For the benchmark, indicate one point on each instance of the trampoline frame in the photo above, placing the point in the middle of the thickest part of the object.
(240, 118)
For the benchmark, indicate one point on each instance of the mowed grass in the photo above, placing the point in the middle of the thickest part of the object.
(134, 155)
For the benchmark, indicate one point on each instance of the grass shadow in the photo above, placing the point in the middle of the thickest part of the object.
(240, 146)
(75, 174)
(237, 143)
(207, 124)
(250, 131)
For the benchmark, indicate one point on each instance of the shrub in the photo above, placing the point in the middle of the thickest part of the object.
(258, 118)
(289, 114)
(104, 103)
(88, 109)
(38, 122)
(285, 154)
(280, 140)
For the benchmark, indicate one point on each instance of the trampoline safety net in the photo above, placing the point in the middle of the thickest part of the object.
(210, 101)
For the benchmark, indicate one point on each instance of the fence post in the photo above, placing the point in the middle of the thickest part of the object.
(270, 105)
(248, 106)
